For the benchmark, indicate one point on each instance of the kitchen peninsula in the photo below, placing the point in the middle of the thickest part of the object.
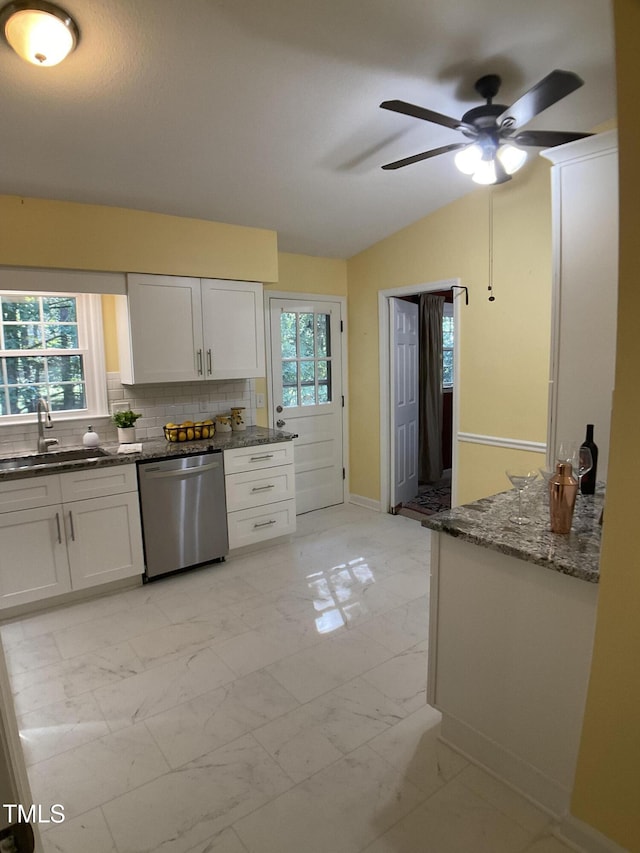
(512, 619)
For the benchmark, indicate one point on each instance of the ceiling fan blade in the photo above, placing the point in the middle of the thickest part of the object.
(426, 115)
(407, 161)
(546, 92)
(546, 138)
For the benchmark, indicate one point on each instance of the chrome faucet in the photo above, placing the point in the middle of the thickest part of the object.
(42, 408)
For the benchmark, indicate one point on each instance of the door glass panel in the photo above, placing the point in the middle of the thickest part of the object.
(288, 334)
(289, 397)
(305, 329)
(289, 373)
(308, 395)
(307, 372)
(322, 335)
(323, 393)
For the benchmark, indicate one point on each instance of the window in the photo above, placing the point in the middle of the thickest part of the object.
(50, 346)
(305, 340)
(447, 345)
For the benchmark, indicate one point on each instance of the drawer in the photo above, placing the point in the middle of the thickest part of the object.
(99, 482)
(256, 488)
(257, 457)
(30, 492)
(247, 526)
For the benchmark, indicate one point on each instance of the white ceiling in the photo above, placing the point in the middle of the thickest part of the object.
(266, 112)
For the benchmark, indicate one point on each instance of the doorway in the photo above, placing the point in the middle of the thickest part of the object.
(306, 391)
(401, 467)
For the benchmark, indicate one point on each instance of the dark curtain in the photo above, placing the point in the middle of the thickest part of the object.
(430, 380)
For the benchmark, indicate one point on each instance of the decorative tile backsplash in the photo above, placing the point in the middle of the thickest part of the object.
(158, 404)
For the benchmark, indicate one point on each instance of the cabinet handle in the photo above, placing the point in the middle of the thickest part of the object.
(58, 526)
(199, 362)
(209, 362)
(261, 458)
(73, 533)
(263, 488)
(265, 523)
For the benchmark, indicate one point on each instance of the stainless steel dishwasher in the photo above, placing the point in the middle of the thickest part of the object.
(184, 513)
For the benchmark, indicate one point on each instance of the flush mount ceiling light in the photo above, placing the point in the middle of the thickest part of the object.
(39, 32)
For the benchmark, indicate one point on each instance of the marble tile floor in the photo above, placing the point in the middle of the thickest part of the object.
(271, 704)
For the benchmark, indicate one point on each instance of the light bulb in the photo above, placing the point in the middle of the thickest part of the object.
(468, 158)
(512, 158)
(485, 172)
(42, 36)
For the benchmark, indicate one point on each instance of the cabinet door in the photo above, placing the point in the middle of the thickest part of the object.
(33, 556)
(233, 322)
(104, 539)
(164, 330)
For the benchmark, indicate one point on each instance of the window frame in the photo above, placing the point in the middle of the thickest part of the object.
(447, 311)
(90, 345)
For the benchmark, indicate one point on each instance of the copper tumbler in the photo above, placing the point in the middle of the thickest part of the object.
(563, 488)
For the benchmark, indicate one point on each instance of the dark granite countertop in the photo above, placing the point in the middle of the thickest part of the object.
(155, 448)
(486, 523)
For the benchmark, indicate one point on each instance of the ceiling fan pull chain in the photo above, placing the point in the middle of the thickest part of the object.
(490, 287)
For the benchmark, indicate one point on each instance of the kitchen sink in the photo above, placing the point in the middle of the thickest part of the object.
(53, 457)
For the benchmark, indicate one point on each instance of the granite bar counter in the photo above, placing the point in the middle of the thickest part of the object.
(153, 448)
(511, 633)
(486, 523)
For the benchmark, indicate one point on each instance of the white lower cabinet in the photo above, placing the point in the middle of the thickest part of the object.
(260, 492)
(68, 544)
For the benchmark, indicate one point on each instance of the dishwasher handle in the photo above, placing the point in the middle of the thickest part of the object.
(179, 472)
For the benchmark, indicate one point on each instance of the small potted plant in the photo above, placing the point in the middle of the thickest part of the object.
(126, 423)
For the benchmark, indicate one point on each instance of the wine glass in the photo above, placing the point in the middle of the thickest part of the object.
(520, 478)
(568, 453)
(584, 464)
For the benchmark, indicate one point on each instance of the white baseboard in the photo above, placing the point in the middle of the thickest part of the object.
(367, 503)
(584, 837)
(514, 771)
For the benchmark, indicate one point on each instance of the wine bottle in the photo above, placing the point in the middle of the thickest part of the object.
(588, 484)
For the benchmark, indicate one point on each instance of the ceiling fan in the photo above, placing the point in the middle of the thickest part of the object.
(494, 151)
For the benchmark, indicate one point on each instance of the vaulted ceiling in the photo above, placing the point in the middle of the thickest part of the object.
(266, 112)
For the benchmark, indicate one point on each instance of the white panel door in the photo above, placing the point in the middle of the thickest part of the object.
(404, 413)
(233, 321)
(306, 361)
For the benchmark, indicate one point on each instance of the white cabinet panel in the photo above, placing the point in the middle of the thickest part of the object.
(249, 526)
(260, 456)
(33, 556)
(233, 323)
(103, 539)
(98, 482)
(160, 329)
(68, 544)
(29, 493)
(176, 329)
(257, 488)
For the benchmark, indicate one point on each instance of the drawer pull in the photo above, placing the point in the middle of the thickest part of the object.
(73, 533)
(261, 458)
(263, 488)
(265, 523)
(58, 526)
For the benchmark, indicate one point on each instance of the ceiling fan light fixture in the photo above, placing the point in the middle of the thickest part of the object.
(39, 32)
(485, 172)
(468, 159)
(512, 158)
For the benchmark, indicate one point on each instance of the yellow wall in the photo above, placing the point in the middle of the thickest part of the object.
(65, 235)
(304, 274)
(505, 344)
(607, 787)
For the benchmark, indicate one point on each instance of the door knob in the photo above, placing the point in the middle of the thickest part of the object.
(280, 423)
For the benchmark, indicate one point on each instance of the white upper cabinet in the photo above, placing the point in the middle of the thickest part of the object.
(177, 329)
